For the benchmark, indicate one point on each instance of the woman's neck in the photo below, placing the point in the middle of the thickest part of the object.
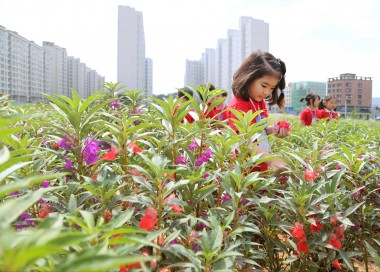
(312, 107)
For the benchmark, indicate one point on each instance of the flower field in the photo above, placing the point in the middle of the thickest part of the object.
(116, 182)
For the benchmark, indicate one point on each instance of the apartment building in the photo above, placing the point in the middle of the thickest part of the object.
(27, 70)
(353, 94)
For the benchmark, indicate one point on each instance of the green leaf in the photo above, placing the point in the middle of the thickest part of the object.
(100, 262)
(346, 259)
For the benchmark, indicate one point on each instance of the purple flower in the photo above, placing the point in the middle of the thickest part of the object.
(41, 201)
(225, 198)
(196, 248)
(45, 184)
(181, 159)
(115, 104)
(206, 175)
(174, 242)
(66, 145)
(138, 111)
(14, 193)
(245, 201)
(207, 154)
(69, 164)
(24, 221)
(202, 225)
(193, 145)
(90, 151)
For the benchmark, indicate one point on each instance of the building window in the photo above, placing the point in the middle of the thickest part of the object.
(348, 84)
(338, 90)
(348, 90)
(359, 85)
(359, 96)
(348, 101)
(360, 90)
(359, 102)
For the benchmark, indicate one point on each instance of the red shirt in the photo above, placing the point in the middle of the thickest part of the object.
(188, 116)
(307, 116)
(323, 113)
(216, 113)
(245, 106)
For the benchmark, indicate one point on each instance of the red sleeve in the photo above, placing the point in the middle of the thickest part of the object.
(323, 114)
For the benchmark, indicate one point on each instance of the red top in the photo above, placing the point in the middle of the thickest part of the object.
(188, 116)
(245, 106)
(214, 113)
(307, 116)
(323, 113)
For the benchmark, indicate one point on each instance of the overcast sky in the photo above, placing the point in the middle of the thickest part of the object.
(316, 39)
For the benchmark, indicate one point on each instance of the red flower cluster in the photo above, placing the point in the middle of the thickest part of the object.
(299, 234)
(148, 221)
(283, 124)
(316, 226)
(176, 208)
(44, 211)
(134, 146)
(310, 175)
(111, 155)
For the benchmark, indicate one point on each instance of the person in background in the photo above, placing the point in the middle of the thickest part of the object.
(327, 107)
(260, 78)
(219, 111)
(182, 98)
(309, 114)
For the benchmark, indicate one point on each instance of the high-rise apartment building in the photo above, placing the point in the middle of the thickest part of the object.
(253, 34)
(221, 71)
(194, 73)
(209, 64)
(58, 68)
(131, 49)
(27, 70)
(302, 88)
(149, 76)
(353, 94)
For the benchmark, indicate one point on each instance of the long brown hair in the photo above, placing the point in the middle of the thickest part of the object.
(257, 65)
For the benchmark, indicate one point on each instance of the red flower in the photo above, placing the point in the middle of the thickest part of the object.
(44, 211)
(133, 145)
(336, 264)
(176, 208)
(125, 268)
(302, 246)
(108, 217)
(283, 124)
(55, 146)
(310, 175)
(316, 226)
(340, 230)
(335, 243)
(148, 221)
(283, 178)
(111, 155)
(298, 231)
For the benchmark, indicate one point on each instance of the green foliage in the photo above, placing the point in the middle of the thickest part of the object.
(118, 181)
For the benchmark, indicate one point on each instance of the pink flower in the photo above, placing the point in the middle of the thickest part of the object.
(310, 175)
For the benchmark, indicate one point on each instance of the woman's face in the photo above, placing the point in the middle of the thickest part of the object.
(331, 104)
(261, 88)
